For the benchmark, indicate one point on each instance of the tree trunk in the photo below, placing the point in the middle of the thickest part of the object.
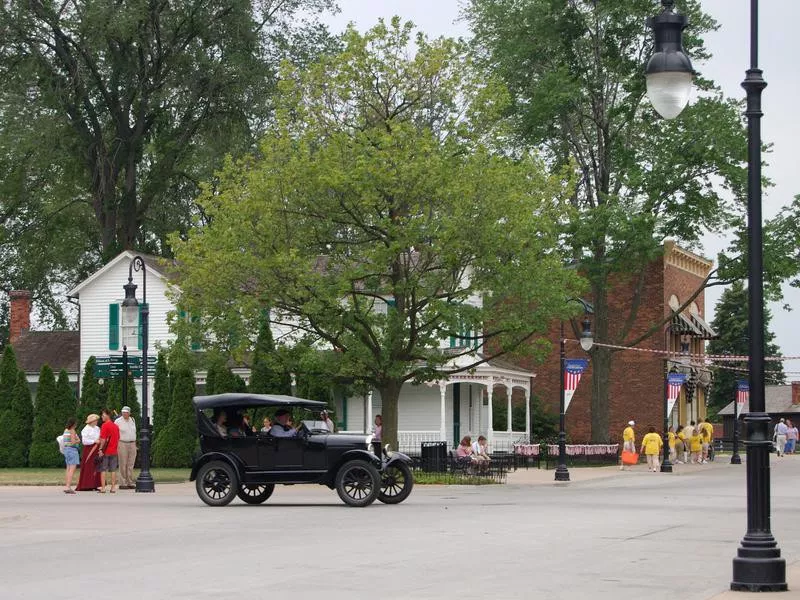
(390, 393)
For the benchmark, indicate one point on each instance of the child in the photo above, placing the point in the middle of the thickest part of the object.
(695, 445)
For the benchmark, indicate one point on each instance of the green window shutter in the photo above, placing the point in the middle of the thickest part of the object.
(139, 339)
(113, 326)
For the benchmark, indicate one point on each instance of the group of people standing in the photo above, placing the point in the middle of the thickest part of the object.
(106, 449)
(785, 437)
(691, 443)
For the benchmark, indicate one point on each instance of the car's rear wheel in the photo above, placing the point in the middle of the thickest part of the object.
(396, 483)
(255, 493)
(358, 483)
(217, 483)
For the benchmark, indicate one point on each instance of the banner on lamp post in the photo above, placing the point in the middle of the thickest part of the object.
(674, 383)
(573, 369)
(742, 393)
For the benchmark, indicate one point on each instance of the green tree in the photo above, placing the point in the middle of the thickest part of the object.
(268, 374)
(8, 377)
(142, 105)
(576, 80)
(16, 426)
(46, 423)
(162, 396)
(66, 403)
(731, 323)
(90, 398)
(177, 442)
(381, 218)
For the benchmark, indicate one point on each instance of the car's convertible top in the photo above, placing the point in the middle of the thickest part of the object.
(254, 401)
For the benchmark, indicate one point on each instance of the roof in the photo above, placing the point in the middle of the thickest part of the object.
(154, 264)
(777, 400)
(59, 349)
(253, 400)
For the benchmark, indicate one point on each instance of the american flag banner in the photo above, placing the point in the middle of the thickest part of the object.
(742, 393)
(573, 369)
(674, 383)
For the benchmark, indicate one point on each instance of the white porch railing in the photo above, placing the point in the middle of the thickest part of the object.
(503, 441)
(411, 441)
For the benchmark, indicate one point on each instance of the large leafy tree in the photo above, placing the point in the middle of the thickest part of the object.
(123, 107)
(16, 425)
(731, 324)
(381, 219)
(575, 71)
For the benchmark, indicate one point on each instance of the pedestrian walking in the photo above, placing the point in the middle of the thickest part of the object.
(651, 447)
(89, 479)
(791, 437)
(72, 457)
(707, 433)
(673, 456)
(628, 441)
(695, 446)
(780, 436)
(680, 445)
(109, 445)
(127, 448)
(688, 432)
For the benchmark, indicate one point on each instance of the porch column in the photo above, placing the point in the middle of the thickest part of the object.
(489, 429)
(509, 390)
(528, 414)
(368, 412)
(442, 395)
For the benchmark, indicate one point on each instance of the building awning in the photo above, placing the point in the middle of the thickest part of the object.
(683, 325)
(708, 333)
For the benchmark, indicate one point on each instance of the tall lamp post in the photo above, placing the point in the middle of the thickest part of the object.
(132, 311)
(587, 341)
(666, 464)
(758, 566)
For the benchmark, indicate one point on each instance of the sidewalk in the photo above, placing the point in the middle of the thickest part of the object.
(578, 474)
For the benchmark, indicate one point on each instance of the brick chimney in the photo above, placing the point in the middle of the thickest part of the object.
(796, 392)
(20, 314)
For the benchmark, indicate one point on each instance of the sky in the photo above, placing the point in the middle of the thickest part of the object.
(730, 48)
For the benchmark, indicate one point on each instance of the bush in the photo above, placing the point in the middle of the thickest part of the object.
(8, 378)
(90, 392)
(162, 396)
(177, 442)
(16, 426)
(46, 426)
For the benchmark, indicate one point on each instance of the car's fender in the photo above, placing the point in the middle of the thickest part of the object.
(356, 454)
(396, 457)
(231, 459)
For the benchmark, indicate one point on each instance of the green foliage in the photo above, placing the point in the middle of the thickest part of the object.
(8, 377)
(219, 378)
(47, 424)
(268, 374)
(545, 423)
(177, 442)
(375, 215)
(66, 404)
(575, 75)
(162, 396)
(731, 325)
(90, 392)
(16, 426)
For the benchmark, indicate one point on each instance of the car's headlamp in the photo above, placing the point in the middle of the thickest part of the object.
(388, 451)
(369, 444)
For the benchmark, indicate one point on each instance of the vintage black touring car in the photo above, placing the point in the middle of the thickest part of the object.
(236, 461)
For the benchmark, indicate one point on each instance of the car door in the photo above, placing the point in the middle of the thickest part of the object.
(288, 455)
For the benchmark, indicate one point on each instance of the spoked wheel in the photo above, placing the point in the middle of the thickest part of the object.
(255, 493)
(358, 483)
(217, 483)
(396, 483)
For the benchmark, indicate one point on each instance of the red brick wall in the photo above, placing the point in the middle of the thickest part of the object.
(20, 317)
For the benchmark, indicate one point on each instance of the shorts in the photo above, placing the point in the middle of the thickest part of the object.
(71, 456)
(108, 463)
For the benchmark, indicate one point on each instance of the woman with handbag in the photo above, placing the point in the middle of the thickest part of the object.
(70, 442)
(89, 479)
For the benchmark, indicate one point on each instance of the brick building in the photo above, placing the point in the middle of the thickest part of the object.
(636, 389)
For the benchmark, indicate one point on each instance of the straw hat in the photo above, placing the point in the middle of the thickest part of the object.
(92, 417)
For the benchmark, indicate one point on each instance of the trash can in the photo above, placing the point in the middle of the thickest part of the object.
(433, 456)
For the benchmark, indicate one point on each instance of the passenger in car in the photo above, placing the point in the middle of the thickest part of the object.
(220, 422)
(282, 427)
(267, 425)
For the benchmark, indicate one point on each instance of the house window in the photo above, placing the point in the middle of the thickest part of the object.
(124, 326)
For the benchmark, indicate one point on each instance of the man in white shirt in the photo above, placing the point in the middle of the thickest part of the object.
(127, 448)
(780, 436)
(328, 423)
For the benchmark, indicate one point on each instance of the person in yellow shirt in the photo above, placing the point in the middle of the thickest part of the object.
(681, 447)
(628, 441)
(695, 445)
(651, 447)
(707, 433)
(673, 455)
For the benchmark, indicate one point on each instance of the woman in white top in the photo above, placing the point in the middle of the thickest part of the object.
(89, 479)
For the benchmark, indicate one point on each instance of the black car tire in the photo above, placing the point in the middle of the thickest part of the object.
(217, 483)
(255, 493)
(358, 483)
(397, 482)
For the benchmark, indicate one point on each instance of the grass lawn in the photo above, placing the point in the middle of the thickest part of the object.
(422, 478)
(56, 476)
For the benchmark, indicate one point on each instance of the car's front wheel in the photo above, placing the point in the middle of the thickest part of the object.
(255, 493)
(217, 483)
(396, 483)
(358, 483)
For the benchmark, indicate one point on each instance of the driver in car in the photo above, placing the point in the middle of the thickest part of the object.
(281, 427)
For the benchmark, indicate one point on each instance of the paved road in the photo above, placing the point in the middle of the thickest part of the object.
(618, 536)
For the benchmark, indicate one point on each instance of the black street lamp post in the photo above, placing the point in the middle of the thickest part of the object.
(144, 483)
(758, 566)
(587, 341)
(735, 458)
(666, 464)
